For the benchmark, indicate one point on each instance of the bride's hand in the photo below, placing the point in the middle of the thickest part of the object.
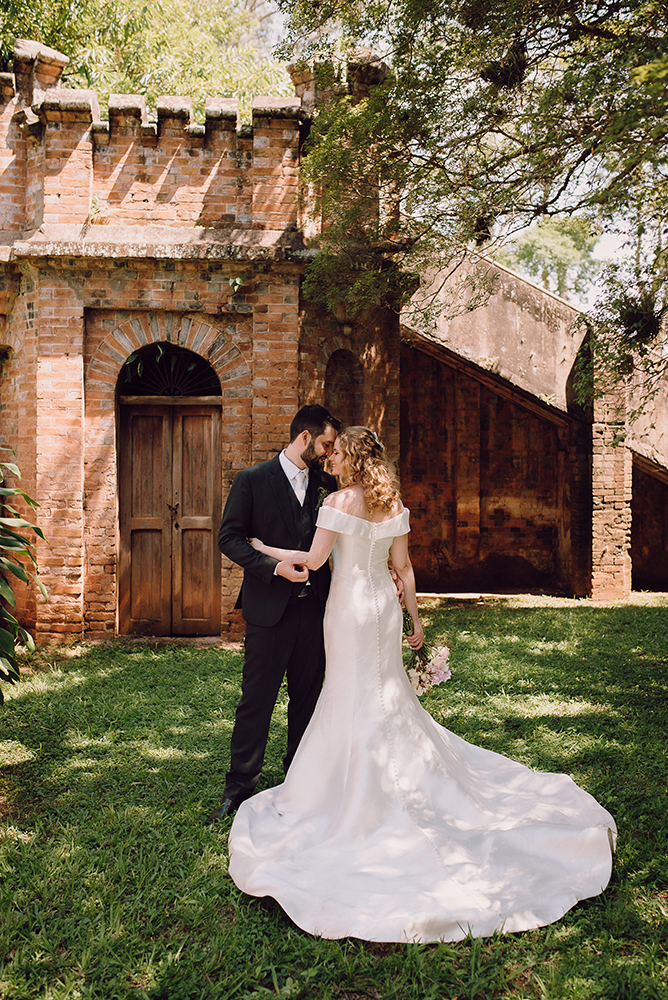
(416, 640)
(256, 544)
(292, 571)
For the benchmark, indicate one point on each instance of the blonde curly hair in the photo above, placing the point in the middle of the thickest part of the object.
(367, 464)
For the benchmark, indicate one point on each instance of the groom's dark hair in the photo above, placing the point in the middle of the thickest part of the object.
(313, 418)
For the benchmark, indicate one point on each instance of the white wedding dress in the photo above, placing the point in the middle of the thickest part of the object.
(388, 827)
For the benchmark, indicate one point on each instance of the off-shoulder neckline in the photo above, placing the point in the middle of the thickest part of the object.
(366, 520)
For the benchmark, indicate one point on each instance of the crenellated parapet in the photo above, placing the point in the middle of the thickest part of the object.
(67, 169)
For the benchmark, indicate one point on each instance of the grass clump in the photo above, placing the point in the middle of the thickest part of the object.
(111, 756)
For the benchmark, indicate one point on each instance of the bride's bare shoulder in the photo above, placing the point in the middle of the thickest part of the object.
(346, 500)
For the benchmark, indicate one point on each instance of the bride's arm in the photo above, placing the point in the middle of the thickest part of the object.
(319, 553)
(404, 570)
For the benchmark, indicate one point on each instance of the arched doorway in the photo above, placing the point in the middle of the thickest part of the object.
(169, 447)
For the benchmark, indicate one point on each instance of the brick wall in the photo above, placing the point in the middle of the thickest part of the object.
(612, 468)
(167, 232)
(12, 160)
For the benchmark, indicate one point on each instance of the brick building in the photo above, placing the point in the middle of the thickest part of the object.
(154, 341)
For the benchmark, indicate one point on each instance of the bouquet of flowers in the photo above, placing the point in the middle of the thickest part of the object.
(428, 665)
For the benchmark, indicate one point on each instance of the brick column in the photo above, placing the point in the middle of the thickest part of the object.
(68, 155)
(612, 467)
(275, 362)
(59, 458)
(275, 162)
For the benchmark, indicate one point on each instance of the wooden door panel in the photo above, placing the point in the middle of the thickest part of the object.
(196, 574)
(146, 589)
(145, 448)
(197, 490)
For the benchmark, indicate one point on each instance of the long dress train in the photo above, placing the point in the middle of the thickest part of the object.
(389, 827)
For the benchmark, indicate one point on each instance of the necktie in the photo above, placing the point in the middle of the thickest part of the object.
(301, 484)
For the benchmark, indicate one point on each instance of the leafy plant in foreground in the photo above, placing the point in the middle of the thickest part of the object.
(15, 549)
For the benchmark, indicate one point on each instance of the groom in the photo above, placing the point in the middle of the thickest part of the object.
(277, 502)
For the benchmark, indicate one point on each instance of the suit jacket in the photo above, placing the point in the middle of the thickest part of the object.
(262, 504)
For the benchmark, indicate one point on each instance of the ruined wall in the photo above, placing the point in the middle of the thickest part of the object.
(126, 233)
(491, 483)
(120, 234)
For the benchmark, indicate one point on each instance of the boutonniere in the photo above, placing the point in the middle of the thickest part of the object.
(323, 493)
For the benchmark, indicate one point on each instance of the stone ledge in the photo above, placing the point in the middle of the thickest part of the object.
(153, 242)
(65, 100)
(29, 51)
(277, 107)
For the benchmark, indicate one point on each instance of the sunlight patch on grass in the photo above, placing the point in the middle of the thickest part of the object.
(12, 832)
(14, 752)
(535, 706)
(169, 753)
(45, 683)
(77, 740)
(540, 646)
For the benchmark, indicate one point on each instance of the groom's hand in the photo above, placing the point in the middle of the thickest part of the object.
(292, 571)
(398, 583)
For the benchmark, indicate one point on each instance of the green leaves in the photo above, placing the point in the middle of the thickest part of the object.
(555, 252)
(494, 116)
(15, 550)
(201, 48)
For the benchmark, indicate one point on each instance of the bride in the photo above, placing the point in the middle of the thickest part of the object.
(388, 827)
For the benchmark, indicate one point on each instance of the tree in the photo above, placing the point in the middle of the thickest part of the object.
(202, 48)
(557, 252)
(495, 114)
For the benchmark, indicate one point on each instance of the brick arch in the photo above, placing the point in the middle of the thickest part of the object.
(195, 333)
(192, 333)
(315, 355)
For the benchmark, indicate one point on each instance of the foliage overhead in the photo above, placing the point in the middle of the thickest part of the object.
(495, 114)
(15, 551)
(200, 48)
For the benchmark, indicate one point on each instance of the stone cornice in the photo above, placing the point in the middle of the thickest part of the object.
(153, 242)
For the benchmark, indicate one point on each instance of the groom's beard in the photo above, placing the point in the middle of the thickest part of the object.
(310, 457)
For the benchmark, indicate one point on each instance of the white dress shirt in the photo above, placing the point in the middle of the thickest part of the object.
(298, 478)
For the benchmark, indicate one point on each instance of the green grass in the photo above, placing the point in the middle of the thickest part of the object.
(112, 756)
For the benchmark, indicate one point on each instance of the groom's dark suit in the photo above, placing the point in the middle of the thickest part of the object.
(283, 630)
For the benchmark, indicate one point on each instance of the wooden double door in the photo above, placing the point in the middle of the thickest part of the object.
(170, 504)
